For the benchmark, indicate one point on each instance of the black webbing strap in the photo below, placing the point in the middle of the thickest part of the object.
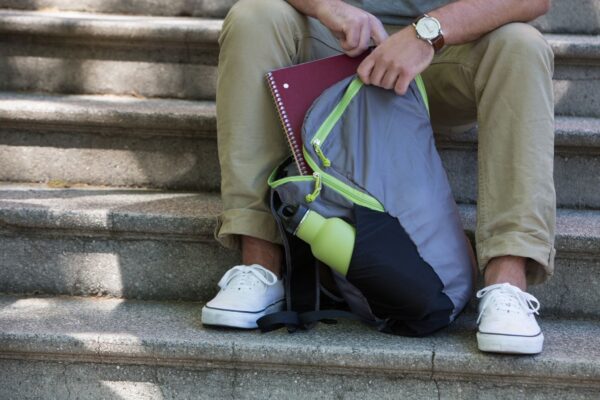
(305, 320)
(326, 316)
(278, 320)
(287, 273)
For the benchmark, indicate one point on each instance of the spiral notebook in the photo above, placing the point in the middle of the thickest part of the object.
(295, 88)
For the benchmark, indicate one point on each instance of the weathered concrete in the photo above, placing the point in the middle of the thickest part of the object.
(176, 57)
(175, 8)
(139, 244)
(155, 161)
(128, 141)
(89, 76)
(98, 27)
(107, 115)
(99, 347)
(571, 16)
(565, 16)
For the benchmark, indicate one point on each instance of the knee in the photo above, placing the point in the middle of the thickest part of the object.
(521, 41)
(246, 16)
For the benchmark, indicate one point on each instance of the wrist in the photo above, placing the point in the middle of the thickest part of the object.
(322, 8)
(429, 30)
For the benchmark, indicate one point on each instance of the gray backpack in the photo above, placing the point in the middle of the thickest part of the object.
(376, 167)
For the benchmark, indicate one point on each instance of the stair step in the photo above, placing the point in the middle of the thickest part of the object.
(571, 16)
(127, 141)
(172, 8)
(134, 243)
(158, 245)
(108, 140)
(99, 347)
(98, 27)
(68, 52)
(564, 16)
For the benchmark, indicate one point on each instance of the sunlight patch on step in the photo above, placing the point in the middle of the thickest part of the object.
(133, 390)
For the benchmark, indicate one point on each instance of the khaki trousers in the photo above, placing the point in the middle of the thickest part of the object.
(502, 82)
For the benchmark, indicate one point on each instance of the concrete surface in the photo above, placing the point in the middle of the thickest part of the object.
(101, 345)
(565, 16)
(175, 57)
(176, 8)
(157, 245)
(129, 141)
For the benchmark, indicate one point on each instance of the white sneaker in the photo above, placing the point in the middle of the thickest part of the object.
(247, 293)
(506, 321)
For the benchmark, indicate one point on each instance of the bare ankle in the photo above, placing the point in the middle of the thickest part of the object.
(507, 269)
(262, 252)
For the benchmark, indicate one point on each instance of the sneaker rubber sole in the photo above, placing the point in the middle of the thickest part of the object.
(237, 319)
(511, 344)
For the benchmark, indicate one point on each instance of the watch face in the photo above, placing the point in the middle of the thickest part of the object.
(428, 28)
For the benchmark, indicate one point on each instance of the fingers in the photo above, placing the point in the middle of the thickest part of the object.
(386, 73)
(357, 35)
(365, 69)
(350, 39)
(402, 83)
(378, 33)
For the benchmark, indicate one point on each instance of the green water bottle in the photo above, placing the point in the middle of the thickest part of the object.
(331, 240)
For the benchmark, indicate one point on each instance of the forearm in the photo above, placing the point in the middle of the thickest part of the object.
(309, 7)
(466, 20)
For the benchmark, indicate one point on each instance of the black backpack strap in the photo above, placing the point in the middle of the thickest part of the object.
(278, 320)
(326, 316)
(288, 256)
(294, 321)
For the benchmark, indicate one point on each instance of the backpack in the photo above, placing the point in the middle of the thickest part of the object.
(376, 169)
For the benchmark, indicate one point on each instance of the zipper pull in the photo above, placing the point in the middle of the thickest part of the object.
(317, 146)
(313, 196)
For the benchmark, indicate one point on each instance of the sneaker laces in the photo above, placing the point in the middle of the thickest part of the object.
(245, 276)
(507, 298)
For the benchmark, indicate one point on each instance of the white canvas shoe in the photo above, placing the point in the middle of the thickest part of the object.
(506, 321)
(247, 293)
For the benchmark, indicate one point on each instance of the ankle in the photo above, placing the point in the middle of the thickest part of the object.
(263, 253)
(507, 269)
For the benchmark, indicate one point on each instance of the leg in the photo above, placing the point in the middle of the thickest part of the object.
(504, 81)
(257, 36)
(516, 202)
(507, 77)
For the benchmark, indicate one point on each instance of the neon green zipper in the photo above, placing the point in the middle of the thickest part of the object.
(334, 184)
(332, 119)
(274, 183)
(319, 176)
(347, 191)
(318, 186)
(327, 126)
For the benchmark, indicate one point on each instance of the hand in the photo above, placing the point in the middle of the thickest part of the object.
(396, 61)
(352, 26)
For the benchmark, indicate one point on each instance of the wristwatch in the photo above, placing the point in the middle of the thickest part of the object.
(430, 30)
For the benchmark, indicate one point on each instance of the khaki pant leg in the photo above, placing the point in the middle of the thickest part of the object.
(257, 36)
(504, 82)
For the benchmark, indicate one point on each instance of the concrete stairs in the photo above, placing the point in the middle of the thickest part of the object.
(110, 190)
(125, 349)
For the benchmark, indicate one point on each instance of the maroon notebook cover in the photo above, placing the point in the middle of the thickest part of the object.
(295, 88)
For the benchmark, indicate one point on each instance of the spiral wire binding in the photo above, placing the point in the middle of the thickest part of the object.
(287, 126)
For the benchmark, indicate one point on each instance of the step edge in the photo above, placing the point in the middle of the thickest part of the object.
(23, 216)
(174, 117)
(200, 30)
(427, 359)
(97, 26)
